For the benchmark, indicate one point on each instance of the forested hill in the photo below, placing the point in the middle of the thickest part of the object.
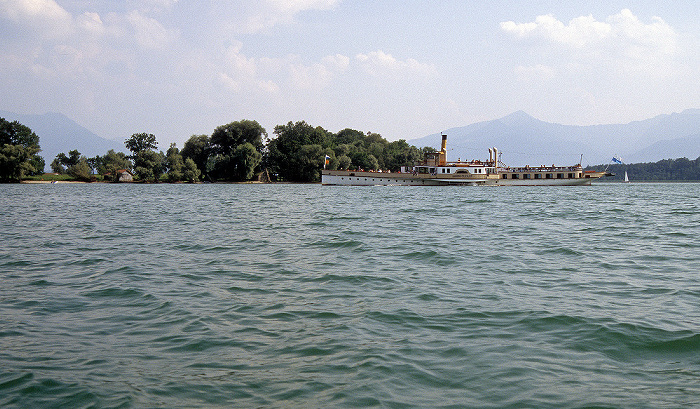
(682, 169)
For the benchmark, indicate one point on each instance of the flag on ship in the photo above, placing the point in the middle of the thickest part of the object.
(617, 159)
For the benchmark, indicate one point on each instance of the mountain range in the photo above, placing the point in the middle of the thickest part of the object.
(523, 140)
(58, 133)
(520, 138)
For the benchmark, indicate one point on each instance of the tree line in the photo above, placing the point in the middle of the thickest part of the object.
(238, 151)
(682, 169)
(242, 151)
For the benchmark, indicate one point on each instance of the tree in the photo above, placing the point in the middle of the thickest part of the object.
(75, 165)
(226, 138)
(344, 162)
(149, 165)
(15, 162)
(140, 142)
(190, 172)
(198, 149)
(246, 159)
(57, 166)
(174, 164)
(237, 150)
(62, 163)
(286, 157)
(111, 162)
(19, 148)
(81, 170)
(311, 159)
(93, 163)
(399, 153)
(240, 165)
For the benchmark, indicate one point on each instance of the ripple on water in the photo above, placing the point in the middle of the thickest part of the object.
(349, 297)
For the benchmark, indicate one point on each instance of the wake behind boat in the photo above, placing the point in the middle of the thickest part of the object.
(434, 170)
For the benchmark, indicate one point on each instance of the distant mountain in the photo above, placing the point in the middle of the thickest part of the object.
(58, 133)
(686, 147)
(526, 140)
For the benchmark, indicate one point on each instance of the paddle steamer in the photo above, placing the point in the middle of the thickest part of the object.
(434, 170)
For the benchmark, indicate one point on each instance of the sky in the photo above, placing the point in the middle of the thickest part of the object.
(403, 69)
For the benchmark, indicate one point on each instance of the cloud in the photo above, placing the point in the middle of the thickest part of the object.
(240, 73)
(260, 15)
(537, 71)
(378, 63)
(148, 32)
(43, 18)
(91, 23)
(607, 70)
(623, 32)
(317, 76)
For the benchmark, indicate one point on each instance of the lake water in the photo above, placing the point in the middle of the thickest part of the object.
(298, 296)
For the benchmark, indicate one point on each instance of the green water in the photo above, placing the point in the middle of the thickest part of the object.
(298, 296)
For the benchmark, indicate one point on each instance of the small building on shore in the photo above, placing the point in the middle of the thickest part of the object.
(124, 175)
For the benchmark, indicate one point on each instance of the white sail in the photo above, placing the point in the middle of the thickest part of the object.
(627, 180)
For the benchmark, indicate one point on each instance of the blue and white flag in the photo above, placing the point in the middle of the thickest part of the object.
(617, 159)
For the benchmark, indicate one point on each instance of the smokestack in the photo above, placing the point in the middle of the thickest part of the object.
(444, 144)
(490, 155)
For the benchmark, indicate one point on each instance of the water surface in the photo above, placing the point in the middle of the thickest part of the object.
(206, 296)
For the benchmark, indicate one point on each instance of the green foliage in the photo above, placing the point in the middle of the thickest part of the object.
(81, 170)
(291, 153)
(682, 169)
(198, 149)
(344, 162)
(15, 162)
(74, 164)
(246, 159)
(57, 166)
(19, 147)
(14, 133)
(236, 151)
(111, 162)
(140, 142)
(190, 172)
(36, 165)
(400, 153)
(226, 138)
(239, 150)
(149, 165)
(288, 157)
(174, 164)
(239, 166)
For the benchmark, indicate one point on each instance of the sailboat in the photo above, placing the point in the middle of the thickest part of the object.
(627, 180)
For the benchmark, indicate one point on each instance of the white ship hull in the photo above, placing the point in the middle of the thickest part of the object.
(354, 178)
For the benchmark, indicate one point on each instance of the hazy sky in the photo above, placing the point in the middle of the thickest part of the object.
(403, 69)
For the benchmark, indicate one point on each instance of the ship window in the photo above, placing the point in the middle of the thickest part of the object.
(571, 175)
(548, 176)
(526, 176)
(505, 176)
(560, 176)
(538, 176)
(515, 176)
